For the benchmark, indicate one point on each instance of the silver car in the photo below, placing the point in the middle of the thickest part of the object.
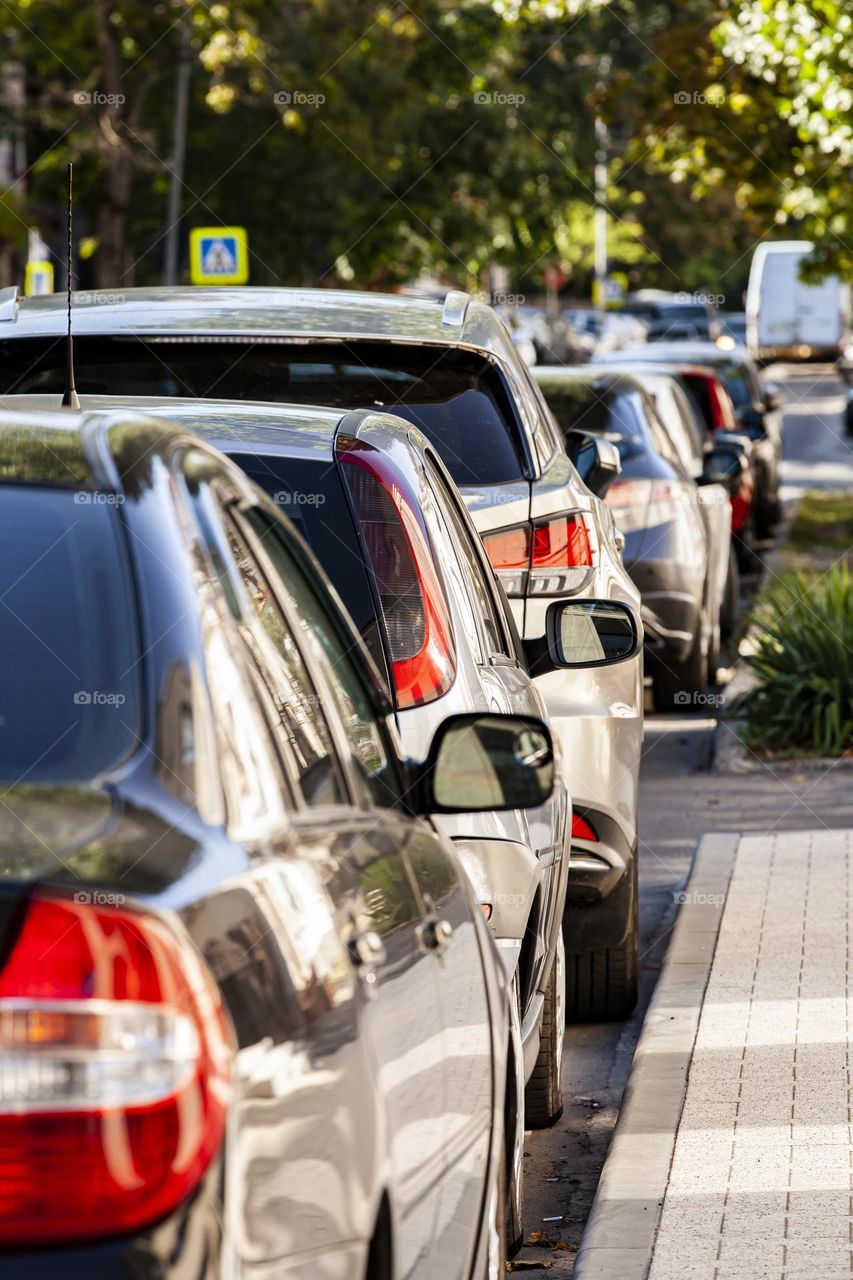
(453, 371)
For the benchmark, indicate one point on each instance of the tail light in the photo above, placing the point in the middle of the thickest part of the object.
(581, 829)
(642, 504)
(741, 503)
(722, 415)
(115, 1061)
(415, 612)
(549, 558)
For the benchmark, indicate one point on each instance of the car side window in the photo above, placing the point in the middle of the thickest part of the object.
(335, 651)
(483, 598)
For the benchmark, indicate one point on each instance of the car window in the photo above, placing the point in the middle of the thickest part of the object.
(336, 652)
(254, 784)
(481, 595)
(309, 492)
(736, 383)
(68, 632)
(301, 720)
(456, 397)
(661, 439)
(674, 418)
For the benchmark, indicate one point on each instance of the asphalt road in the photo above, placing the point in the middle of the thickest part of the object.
(680, 800)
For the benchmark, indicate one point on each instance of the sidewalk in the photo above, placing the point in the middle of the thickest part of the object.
(733, 1156)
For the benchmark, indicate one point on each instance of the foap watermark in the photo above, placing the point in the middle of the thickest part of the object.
(297, 98)
(97, 297)
(99, 898)
(713, 97)
(83, 98)
(296, 498)
(696, 699)
(98, 698)
(690, 898)
(499, 299)
(485, 98)
(91, 498)
(702, 299)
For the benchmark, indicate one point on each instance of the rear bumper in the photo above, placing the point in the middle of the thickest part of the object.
(671, 605)
(601, 886)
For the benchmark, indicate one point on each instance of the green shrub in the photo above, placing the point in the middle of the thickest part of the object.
(802, 630)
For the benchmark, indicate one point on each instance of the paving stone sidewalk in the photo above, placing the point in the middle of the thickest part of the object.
(746, 1138)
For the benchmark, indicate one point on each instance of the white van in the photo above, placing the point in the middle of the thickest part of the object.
(788, 319)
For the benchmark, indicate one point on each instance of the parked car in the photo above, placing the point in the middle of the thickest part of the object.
(249, 1006)
(376, 505)
(677, 535)
(673, 317)
(732, 330)
(757, 411)
(678, 392)
(450, 369)
(789, 318)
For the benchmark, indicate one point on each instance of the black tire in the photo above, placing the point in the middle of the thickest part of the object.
(675, 683)
(601, 986)
(543, 1097)
(730, 606)
(848, 418)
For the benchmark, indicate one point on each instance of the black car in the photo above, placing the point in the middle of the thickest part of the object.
(757, 409)
(235, 961)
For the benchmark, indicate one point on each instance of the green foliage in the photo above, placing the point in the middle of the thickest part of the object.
(803, 663)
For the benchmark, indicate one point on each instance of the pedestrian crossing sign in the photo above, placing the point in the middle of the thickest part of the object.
(219, 255)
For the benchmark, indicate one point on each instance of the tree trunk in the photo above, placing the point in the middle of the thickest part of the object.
(116, 150)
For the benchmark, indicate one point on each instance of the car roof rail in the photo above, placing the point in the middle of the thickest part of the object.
(455, 307)
(9, 303)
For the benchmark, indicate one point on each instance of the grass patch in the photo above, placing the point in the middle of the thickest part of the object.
(801, 654)
(824, 520)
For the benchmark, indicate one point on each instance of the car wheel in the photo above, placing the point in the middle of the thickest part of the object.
(675, 684)
(848, 418)
(543, 1099)
(730, 607)
(512, 1170)
(601, 986)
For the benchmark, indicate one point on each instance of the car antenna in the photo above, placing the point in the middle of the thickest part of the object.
(70, 399)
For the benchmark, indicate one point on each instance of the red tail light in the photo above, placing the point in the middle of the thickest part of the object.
(641, 504)
(551, 557)
(415, 611)
(581, 829)
(116, 1060)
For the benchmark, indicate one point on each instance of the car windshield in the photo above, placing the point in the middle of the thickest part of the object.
(614, 411)
(456, 397)
(68, 632)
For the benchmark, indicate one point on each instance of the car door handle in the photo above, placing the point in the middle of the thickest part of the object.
(434, 935)
(618, 539)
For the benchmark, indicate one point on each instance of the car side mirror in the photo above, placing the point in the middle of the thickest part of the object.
(752, 422)
(725, 467)
(485, 762)
(581, 634)
(596, 460)
(773, 398)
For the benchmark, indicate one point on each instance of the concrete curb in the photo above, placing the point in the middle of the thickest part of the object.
(619, 1238)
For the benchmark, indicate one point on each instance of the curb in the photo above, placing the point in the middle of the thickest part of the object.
(620, 1235)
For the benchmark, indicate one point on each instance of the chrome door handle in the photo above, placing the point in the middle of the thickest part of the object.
(435, 935)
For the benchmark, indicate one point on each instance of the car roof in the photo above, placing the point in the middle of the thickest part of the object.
(618, 378)
(243, 426)
(255, 311)
(682, 353)
(234, 422)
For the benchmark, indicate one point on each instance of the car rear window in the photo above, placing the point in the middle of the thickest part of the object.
(68, 637)
(604, 410)
(456, 397)
(311, 494)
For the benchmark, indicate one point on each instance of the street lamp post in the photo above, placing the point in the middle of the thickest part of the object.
(179, 150)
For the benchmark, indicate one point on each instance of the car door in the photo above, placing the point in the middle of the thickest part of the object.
(400, 956)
